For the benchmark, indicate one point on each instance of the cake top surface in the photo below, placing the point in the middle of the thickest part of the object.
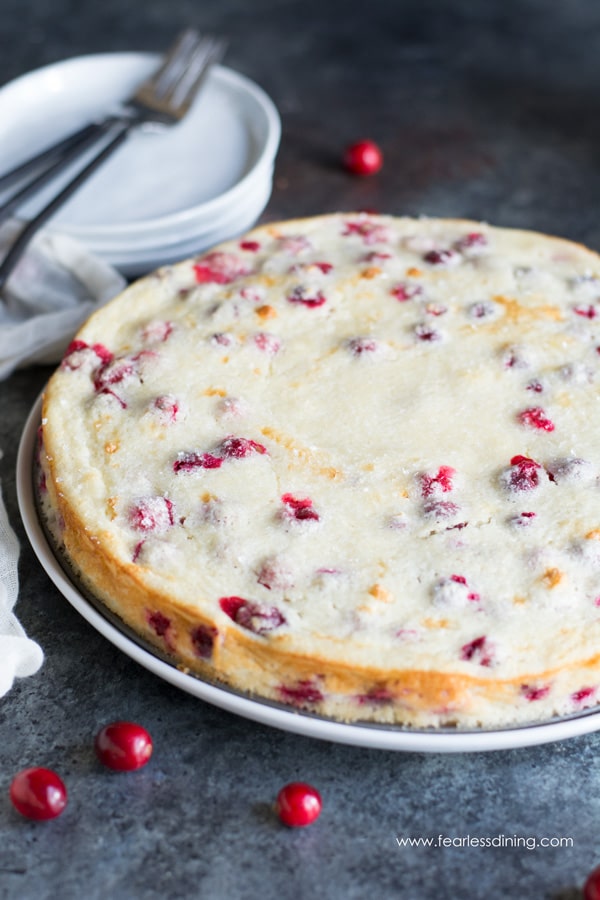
(364, 436)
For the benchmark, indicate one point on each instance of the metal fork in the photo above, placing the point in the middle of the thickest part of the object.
(161, 100)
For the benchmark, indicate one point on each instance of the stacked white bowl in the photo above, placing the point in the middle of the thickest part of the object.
(166, 193)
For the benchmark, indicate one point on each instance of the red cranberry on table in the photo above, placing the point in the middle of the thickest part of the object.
(363, 158)
(38, 793)
(298, 804)
(591, 888)
(123, 746)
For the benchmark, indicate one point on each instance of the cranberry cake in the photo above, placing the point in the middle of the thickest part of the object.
(350, 464)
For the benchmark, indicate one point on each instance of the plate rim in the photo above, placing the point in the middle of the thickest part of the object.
(138, 263)
(250, 200)
(224, 75)
(368, 735)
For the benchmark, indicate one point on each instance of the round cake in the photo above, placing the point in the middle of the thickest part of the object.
(350, 464)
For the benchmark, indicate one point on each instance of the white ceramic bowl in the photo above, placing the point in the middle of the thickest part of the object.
(160, 190)
(252, 196)
(137, 261)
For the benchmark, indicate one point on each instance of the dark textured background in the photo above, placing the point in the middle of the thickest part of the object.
(483, 109)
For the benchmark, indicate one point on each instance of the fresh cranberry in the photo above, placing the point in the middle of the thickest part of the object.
(275, 574)
(460, 579)
(481, 309)
(121, 370)
(300, 508)
(258, 618)
(583, 694)
(221, 339)
(439, 483)
(239, 448)
(440, 509)
(203, 639)
(523, 474)
(522, 519)
(159, 623)
(38, 793)
(268, 343)
(533, 693)
(378, 696)
(370, 230)
(513, 358)
(475, 240)
(75, 347)
(535, 417)
(298, 804)
(157, 332)
(187, 462)
(441, 257)
(591, 888)
(360, 345)
(230, 408)
(230, 448)
(478, 651)
(376, 255)
(75, 354)
(363, 158)
(152, 514)
(255, 617)
(301, 693)
(446, 592)
(587, 312)
(569, 468)
(298, 295)
(536, 386)
(324, 267)
(137, 550)
(166, 407)
(102, 352)
(405, 291)
(114, 372)
(458, 527)
(123, 746)
(219, 268)
(294, 243)
(424, 332)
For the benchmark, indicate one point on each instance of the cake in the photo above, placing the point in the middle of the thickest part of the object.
(349, 464)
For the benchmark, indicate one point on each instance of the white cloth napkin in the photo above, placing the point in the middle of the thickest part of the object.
(56, 285)
(19, 656)
(53, 289)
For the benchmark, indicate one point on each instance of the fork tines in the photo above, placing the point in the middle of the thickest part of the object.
(177, 81)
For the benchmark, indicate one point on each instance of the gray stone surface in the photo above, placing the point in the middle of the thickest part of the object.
(485, 110)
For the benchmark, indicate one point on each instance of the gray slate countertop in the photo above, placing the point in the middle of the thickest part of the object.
(483, 110)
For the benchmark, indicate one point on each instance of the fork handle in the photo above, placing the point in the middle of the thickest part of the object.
(21, 243)
(65, 151)
(60, 148)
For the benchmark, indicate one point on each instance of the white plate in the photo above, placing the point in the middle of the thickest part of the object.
(133, 262)
(384, 737)
(155, 182)
(252, 197)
